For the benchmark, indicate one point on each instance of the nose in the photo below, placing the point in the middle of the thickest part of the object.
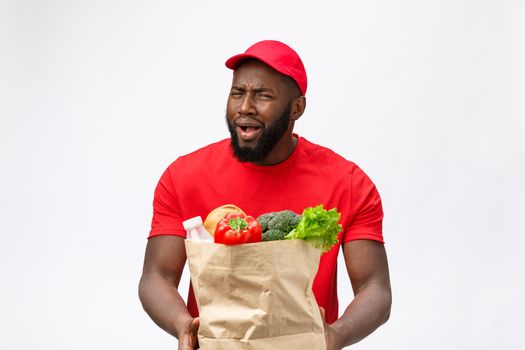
(247, 106)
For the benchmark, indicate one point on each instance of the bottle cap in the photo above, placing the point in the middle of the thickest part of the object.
(192, 223)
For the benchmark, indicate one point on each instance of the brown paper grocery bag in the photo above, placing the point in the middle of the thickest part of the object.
(256, 296)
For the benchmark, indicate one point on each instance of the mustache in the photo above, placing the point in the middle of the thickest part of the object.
(243, 120)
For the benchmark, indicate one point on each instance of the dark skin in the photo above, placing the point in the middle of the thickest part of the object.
(163, 265)
(367, 268)
(258, 96)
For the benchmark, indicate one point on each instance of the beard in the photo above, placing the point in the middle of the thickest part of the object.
(267, 140)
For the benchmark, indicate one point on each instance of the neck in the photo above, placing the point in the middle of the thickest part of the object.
(281, 151)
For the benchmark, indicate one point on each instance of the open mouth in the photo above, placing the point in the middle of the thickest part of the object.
(248, 130)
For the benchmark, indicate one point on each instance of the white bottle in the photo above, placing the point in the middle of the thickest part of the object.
(195, 231)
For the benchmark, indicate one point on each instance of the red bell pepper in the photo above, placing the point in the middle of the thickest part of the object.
(237, 228)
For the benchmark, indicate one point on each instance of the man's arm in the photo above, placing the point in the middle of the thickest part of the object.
(163, 265)
(367, 268)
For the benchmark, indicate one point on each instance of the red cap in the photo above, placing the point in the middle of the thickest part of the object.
(277, 55)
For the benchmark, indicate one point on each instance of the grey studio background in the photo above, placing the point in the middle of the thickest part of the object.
(98, 97)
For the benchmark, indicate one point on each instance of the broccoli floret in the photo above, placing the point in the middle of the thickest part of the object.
(296, 221)
(283, 221)
(273, 235)
(264, 219)
(276, 225)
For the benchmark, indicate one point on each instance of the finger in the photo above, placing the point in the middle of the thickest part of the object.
(192, 341)
(193, 329)
(194, 325)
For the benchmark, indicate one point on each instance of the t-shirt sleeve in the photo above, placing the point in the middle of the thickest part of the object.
(366, 220)
(167, 218)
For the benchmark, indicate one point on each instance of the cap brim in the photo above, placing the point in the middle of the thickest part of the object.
(233, 61)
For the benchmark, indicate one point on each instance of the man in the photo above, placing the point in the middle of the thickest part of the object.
(265, 167)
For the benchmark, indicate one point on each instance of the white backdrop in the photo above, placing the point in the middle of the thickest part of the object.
(98, 97)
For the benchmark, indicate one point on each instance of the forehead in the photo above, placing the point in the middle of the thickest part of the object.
(257, 73)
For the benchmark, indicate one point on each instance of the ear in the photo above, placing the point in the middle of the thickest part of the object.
(298, 107)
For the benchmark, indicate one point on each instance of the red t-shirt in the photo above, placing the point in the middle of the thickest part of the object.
(197, 183)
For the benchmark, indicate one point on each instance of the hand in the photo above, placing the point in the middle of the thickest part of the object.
(188, 336)
(328, 333)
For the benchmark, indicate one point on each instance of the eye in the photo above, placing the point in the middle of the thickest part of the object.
(235, 93)
(265, 95)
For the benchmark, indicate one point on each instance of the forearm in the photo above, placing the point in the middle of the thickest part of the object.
(369, 309)
(163, 303)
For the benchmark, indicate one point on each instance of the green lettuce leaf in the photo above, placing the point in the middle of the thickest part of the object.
(318, 227)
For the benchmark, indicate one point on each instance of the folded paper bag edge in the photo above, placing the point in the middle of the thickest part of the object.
(301, 341)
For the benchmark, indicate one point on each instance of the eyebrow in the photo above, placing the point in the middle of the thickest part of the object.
(256, 89)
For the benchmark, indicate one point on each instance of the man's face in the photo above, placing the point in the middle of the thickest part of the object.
(258, 111)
